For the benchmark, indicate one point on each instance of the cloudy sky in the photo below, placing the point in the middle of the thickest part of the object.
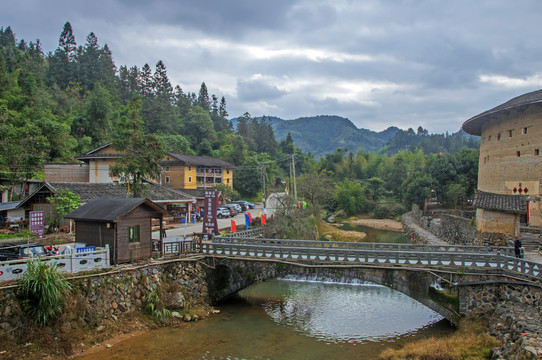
(378, 63)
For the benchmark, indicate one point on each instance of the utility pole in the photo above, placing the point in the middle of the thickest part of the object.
(262, 168)
(295, 185)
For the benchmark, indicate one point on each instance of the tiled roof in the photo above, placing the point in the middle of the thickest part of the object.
(9, 205)
(110, 209)
(474, 125)
(89, 191)
(197, 160)
(513, 204)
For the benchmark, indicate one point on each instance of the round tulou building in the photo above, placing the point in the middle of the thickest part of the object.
(510, 166)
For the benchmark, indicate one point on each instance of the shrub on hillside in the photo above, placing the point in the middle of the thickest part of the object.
(388, 210)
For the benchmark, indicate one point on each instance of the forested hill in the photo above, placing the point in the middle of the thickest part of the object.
(324, 134)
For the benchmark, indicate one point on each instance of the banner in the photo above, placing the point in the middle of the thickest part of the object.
(233, 226)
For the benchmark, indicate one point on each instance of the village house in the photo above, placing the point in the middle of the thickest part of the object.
(509, 172)
(178, 171)
(177, 203)
(195, 172)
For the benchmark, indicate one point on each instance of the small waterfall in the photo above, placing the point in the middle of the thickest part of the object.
(340, 280)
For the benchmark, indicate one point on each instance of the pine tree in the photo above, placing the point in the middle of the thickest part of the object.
(203, 98)
(67, 42)
(146, 81)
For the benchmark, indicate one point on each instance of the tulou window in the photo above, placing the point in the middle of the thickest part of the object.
(133, 234)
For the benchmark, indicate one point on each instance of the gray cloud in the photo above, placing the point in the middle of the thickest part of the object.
(378, 63)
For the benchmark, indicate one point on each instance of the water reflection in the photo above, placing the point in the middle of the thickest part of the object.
(353, 313)
(284, 319)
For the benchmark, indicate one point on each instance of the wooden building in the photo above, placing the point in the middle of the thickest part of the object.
(125, 224)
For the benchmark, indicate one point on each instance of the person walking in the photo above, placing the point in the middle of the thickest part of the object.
(517, 247)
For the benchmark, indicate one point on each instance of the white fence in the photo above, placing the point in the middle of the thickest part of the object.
(69, 263)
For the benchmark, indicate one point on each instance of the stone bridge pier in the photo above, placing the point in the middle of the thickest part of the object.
(227, 276)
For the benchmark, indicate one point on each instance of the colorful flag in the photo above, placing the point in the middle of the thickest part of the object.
(233, 226)
(264, 219)
(247, 220)
(250, 217)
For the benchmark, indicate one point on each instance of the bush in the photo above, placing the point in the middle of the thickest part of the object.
(386, 210)
(42, 291)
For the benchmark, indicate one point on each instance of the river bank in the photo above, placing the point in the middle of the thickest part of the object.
(381, 224)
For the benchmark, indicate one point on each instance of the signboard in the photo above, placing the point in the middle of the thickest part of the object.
(210, 224)
(36, 223)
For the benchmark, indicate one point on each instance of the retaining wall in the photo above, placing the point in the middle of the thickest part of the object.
(111, 295)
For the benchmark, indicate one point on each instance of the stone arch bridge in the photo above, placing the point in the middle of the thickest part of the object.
(451, 280)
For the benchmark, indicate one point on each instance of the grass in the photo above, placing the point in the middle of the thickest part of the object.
(469, 342)
(335, 234)
(22, 234)
(42, 291)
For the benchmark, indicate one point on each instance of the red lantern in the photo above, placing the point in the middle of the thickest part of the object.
(520, 190)
(526, 190)
(515, 190)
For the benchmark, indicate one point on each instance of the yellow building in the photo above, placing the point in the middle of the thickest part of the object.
(510, 162)
(195, 172)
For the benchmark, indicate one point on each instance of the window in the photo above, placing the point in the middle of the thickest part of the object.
(167, 179)
(489, 138)
(498, 136)
(518, 153)
(190, 168)
(133, 233)
(524, 131)
(537, 151)
(227, 181)
(510, 133)
(189, 179)
(167, 168)
(228, 172)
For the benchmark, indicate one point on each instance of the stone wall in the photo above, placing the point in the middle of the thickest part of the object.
(112, 295)
(514, 313)
(452, 229)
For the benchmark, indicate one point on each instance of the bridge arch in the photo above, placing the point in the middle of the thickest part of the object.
(227, 276)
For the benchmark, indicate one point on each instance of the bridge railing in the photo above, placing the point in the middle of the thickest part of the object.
(250, 233)
(381, 257)
(507, 251)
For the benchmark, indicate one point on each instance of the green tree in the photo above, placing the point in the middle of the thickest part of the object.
(350, 197)
(316, 188)
(203, 98)
(418, 190)
(142, 152)
(64, 201)
(198, 126)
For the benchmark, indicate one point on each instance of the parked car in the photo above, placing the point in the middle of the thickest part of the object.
(237, 207)
(250, 205)
(244, 206)
(222, 212)
(11, 251)
(234, 207)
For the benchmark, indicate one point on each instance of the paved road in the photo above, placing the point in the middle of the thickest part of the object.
(180, 230)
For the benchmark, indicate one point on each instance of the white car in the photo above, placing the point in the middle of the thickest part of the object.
(222, 212)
